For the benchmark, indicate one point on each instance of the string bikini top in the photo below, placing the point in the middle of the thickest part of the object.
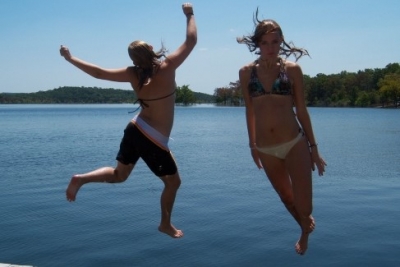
(143, 104)
(281, 85)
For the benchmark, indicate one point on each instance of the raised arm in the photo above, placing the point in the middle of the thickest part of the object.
(178, 57)
(117, 75)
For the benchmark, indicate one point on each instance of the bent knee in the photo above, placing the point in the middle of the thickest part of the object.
(119, 176)
(172, 180)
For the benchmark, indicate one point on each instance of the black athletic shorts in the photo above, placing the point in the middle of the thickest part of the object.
(135, 145)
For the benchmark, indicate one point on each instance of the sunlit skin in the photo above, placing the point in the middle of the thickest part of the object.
(159, 115)
(270, 121)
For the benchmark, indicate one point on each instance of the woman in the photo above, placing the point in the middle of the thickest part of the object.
(282, 142)
(146, 136)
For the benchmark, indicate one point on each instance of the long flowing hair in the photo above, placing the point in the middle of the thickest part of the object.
(146, 61)
(269, 26)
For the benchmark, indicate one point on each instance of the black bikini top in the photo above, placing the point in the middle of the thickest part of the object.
(281, 85)
(143, 104)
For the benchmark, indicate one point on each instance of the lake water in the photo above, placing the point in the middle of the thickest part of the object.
(226, 207)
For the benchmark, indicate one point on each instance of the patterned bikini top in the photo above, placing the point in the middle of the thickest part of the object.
(281, 85)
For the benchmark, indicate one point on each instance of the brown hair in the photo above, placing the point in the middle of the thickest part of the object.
(145, 59)
(268, 26)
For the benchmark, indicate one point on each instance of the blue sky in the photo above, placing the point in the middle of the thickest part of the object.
(341, 35)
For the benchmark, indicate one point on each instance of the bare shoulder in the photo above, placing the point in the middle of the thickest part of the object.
(132, 72)
(292, 67)
(131, 69)
(168, 63)
(246, 70)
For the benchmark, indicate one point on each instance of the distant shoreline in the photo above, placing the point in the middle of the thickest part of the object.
(181, 105)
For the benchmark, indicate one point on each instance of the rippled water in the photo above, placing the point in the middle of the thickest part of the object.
(228, 211)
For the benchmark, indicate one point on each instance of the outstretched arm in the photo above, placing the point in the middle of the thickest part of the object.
(117, 75)
(178, 57)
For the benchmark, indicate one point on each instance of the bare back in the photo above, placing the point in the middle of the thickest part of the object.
(158, 97)
(160, 113)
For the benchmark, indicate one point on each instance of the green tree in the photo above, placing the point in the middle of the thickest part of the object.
(363, 99)
(237, 94)
(184, 95)
(223, 95)
(389, 88)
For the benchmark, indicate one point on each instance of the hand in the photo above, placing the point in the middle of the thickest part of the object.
(64, 51)
(318, 161)
(187, 9)
(256, 157)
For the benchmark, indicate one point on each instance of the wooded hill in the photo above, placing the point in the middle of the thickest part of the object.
(94, 95)
(367, 88)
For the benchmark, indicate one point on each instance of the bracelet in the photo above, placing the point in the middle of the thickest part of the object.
(252, 145)
(311, 145)
(189, 14)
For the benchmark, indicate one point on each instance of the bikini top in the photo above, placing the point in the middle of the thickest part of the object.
(281, 85)
(143, 104)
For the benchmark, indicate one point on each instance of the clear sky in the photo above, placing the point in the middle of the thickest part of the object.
(341, 35)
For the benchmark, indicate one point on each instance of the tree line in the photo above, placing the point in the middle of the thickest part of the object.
(367, 88)
(95, 95)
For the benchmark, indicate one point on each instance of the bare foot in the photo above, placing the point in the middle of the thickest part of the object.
(302, 245)
(171, 231)
(73, 188)
(308, 226)
(311, 225)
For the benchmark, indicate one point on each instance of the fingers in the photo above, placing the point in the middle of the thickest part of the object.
(64, 51)
(256, 158)
(187, 5)
(321, 167)
(187, 8)
(257, 162)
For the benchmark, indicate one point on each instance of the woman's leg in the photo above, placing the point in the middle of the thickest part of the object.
(298, 164)
(171, 186)
(277, 174)
(105, 174)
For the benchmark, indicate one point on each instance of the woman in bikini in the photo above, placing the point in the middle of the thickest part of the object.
(146, 135)
(281, 142)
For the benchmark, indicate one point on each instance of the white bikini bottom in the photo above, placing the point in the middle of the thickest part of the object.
(281, 150)
(151, 133)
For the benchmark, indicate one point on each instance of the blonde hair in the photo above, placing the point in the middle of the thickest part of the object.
(146, 61)
(269, 26)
